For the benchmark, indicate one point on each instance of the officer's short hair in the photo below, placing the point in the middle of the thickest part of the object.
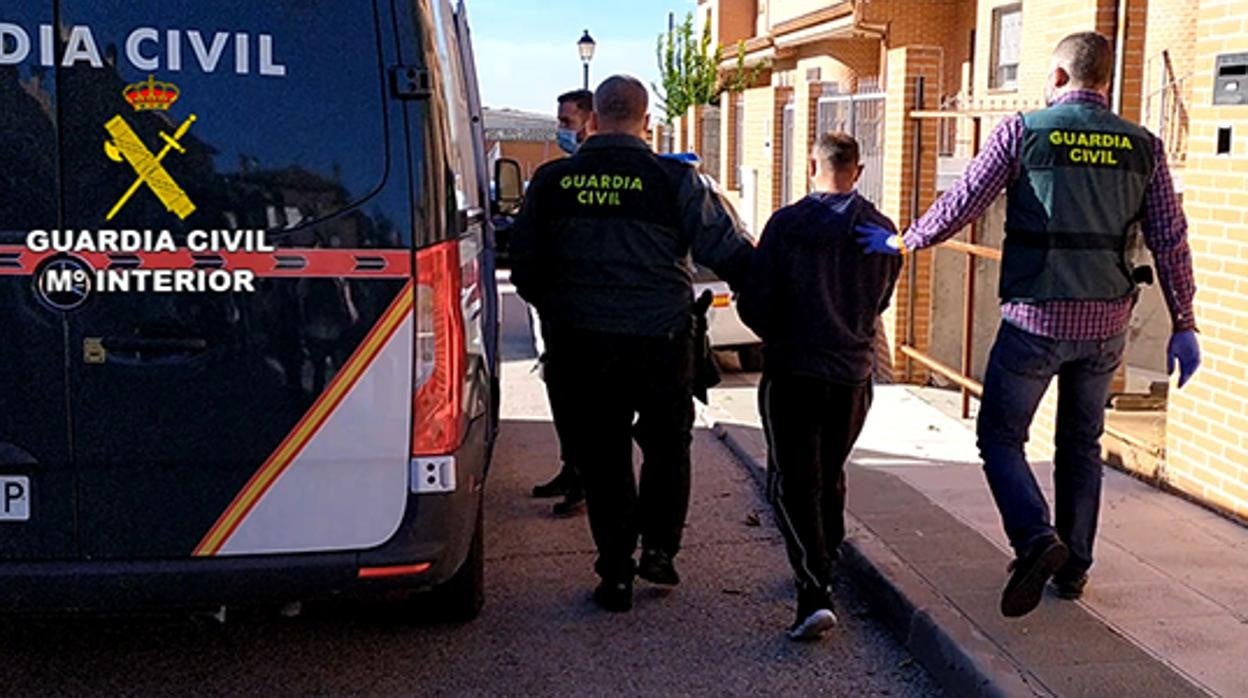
(583, 99)
(621, 99)
(839, 150)
(1088, 57)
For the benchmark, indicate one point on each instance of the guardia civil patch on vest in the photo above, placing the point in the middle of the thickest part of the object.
(1077, 147)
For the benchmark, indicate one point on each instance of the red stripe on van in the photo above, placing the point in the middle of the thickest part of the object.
(17, 260)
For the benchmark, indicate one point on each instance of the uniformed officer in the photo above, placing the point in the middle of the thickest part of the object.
(602, 249)
(1079, 178)
(575, 110)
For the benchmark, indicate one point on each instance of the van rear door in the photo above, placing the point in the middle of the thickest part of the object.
(239, 423)
(37, 504)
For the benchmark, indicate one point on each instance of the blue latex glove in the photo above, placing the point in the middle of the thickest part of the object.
(687, 158)
(1185, 351)
(877, 240)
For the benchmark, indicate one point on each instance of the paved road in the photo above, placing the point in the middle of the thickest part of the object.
(720, 633)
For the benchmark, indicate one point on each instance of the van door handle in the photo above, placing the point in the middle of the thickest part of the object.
(142, 351)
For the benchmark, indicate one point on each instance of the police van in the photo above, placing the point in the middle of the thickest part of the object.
(248, 317)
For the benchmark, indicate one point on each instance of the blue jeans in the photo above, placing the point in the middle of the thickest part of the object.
(1019, 372)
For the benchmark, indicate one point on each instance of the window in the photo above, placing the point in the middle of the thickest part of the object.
(1007, 35)
(29, 180)
(462, 158)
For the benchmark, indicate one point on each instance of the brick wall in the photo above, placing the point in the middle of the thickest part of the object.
(530, 154)
(731, 20)
(943, 23)
(905, 65)
(782, 97)
(1207, 442)
(737, 21)
(693, 129)
(1134, 31)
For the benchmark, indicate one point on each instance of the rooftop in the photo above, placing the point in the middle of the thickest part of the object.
(515, 125)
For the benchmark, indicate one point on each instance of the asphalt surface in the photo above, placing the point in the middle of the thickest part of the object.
(719, 633)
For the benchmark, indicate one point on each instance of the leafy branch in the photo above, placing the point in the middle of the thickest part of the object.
(689, 69)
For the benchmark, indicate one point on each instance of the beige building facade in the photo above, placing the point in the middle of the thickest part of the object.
(920, 83)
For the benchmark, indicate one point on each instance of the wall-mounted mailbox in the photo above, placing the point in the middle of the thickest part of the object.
(1230, 79)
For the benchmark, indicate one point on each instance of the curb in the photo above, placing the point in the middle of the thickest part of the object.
(957, 655)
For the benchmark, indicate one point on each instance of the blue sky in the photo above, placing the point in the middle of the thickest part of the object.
(526, 49)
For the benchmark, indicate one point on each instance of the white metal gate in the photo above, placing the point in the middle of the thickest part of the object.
(709, 147)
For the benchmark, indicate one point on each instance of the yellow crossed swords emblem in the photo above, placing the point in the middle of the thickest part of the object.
(126, 147)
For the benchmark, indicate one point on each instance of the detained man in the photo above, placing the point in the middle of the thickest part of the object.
(815, 298)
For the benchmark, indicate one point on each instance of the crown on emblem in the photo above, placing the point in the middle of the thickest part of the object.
(152, 94)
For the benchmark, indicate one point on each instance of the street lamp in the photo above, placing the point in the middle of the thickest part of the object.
(586, 46)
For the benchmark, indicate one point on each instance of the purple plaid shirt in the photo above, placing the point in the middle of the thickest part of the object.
(1165, 234)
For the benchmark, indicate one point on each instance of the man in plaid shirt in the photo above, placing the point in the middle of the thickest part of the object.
(1079, 179)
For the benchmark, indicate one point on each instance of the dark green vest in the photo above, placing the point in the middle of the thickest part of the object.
(1079, 193)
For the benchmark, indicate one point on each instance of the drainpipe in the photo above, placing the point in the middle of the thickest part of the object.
(913, 268)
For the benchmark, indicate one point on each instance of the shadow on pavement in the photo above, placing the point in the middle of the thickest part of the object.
(720, 632)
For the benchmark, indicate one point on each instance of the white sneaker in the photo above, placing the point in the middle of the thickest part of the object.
(813, 626)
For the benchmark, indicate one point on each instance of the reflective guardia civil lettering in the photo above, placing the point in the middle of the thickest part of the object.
(1084, 148)
(601, 189)
(1084, 139)
(146, 49)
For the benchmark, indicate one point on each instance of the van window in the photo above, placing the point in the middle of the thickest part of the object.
(274, 116)
(28, 185)
(463, 157)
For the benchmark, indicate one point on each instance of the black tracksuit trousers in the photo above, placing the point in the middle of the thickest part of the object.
(612, 389)
(811, 426)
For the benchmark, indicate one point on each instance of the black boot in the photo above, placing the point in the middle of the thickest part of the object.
(1029, 573)
(557, 487)
(573, 503)
(614, 596)
(656, 567)
(1070, 584)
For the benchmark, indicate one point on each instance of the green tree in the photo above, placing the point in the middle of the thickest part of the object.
(743, 76)
(689, 72)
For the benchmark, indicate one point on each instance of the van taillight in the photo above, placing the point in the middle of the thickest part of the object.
(437, 414)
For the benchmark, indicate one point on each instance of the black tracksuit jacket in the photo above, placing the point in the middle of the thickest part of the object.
(813, 295)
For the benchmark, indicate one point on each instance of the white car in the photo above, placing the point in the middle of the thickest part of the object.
(724, 325)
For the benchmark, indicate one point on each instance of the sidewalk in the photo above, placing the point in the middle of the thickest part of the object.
(1165, 613)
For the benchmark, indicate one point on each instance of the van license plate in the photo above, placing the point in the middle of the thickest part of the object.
(14, 499)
